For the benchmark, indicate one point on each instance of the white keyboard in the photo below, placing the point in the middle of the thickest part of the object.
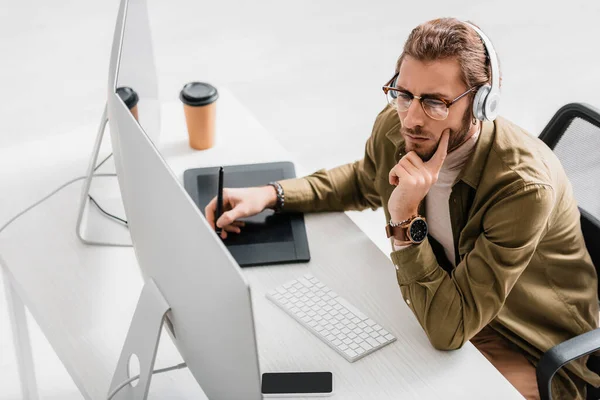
(330, 317)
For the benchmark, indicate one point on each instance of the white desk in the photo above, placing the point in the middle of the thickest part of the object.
(83, 297)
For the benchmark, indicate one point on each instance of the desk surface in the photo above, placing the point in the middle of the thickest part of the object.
(83, 297)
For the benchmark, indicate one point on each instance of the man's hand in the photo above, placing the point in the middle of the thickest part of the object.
(239, 203)
(413, 178)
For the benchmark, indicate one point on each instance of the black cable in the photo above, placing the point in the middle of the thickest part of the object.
(105, 212)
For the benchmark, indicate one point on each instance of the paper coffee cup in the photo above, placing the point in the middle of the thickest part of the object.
(199, 105)
(130, 98)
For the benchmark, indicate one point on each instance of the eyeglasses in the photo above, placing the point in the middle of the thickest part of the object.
(435, 107)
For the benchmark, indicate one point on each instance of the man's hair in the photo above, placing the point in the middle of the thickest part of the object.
(450, 38)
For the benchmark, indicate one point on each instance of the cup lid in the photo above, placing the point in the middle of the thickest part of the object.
(198, 94)
(129, 96)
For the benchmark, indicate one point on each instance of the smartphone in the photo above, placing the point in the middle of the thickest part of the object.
(293, 384)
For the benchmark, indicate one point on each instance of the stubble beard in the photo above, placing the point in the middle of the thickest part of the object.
(424, 151)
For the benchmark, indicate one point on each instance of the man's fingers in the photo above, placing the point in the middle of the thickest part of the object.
(230, 216)
(209, 211)
(393, 175)
(414, 159)
(435, 163)
(232, 228)
(410, 167)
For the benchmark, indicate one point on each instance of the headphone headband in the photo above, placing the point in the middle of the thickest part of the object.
(487, 99)
(491, 54)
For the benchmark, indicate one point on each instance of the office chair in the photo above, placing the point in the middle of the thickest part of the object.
(573, 134)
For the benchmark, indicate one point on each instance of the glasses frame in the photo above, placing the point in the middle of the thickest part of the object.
(387, 88)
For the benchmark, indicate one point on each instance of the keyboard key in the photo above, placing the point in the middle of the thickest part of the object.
(365, 346)
(381, 339)
(304, 282)
(372, 342)
(351, 353)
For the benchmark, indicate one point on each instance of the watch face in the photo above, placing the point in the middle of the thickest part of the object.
(418, 230)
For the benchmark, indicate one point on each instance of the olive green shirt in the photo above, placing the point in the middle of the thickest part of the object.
(521, 262)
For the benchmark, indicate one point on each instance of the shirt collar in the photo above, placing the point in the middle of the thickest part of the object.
(471, 173)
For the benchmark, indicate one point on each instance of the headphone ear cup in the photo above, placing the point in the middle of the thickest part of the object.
(492, 102)
(479, 102)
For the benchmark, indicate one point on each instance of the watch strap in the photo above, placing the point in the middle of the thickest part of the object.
(399, 231)
(280, 196)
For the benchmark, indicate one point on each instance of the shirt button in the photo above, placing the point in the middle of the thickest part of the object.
(397, 268)
(408, 301)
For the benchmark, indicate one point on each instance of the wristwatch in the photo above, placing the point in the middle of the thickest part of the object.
(413, 229)
(280, 196)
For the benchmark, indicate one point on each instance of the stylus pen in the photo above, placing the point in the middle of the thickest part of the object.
(219, 200)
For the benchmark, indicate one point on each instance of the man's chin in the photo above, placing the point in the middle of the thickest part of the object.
(423, 152)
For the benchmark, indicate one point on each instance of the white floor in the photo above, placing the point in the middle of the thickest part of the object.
(310, 71)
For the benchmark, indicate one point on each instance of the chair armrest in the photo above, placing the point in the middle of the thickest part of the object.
(562, 353)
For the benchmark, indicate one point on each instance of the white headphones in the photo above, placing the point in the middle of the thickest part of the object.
(487, 98)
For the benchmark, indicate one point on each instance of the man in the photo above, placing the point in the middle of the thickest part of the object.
(500, 260)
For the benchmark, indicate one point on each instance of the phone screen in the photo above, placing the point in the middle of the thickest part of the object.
(297, 382)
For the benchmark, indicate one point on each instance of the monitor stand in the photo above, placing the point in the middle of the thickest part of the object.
(93, 227)
(142, 340)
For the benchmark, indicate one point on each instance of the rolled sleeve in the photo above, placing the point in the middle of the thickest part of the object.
(414, 262)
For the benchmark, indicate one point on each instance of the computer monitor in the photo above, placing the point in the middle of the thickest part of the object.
(210, 318)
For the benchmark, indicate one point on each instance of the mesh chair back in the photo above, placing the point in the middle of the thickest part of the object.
(574, 136)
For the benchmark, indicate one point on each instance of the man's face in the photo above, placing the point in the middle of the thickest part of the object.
(442, 79)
